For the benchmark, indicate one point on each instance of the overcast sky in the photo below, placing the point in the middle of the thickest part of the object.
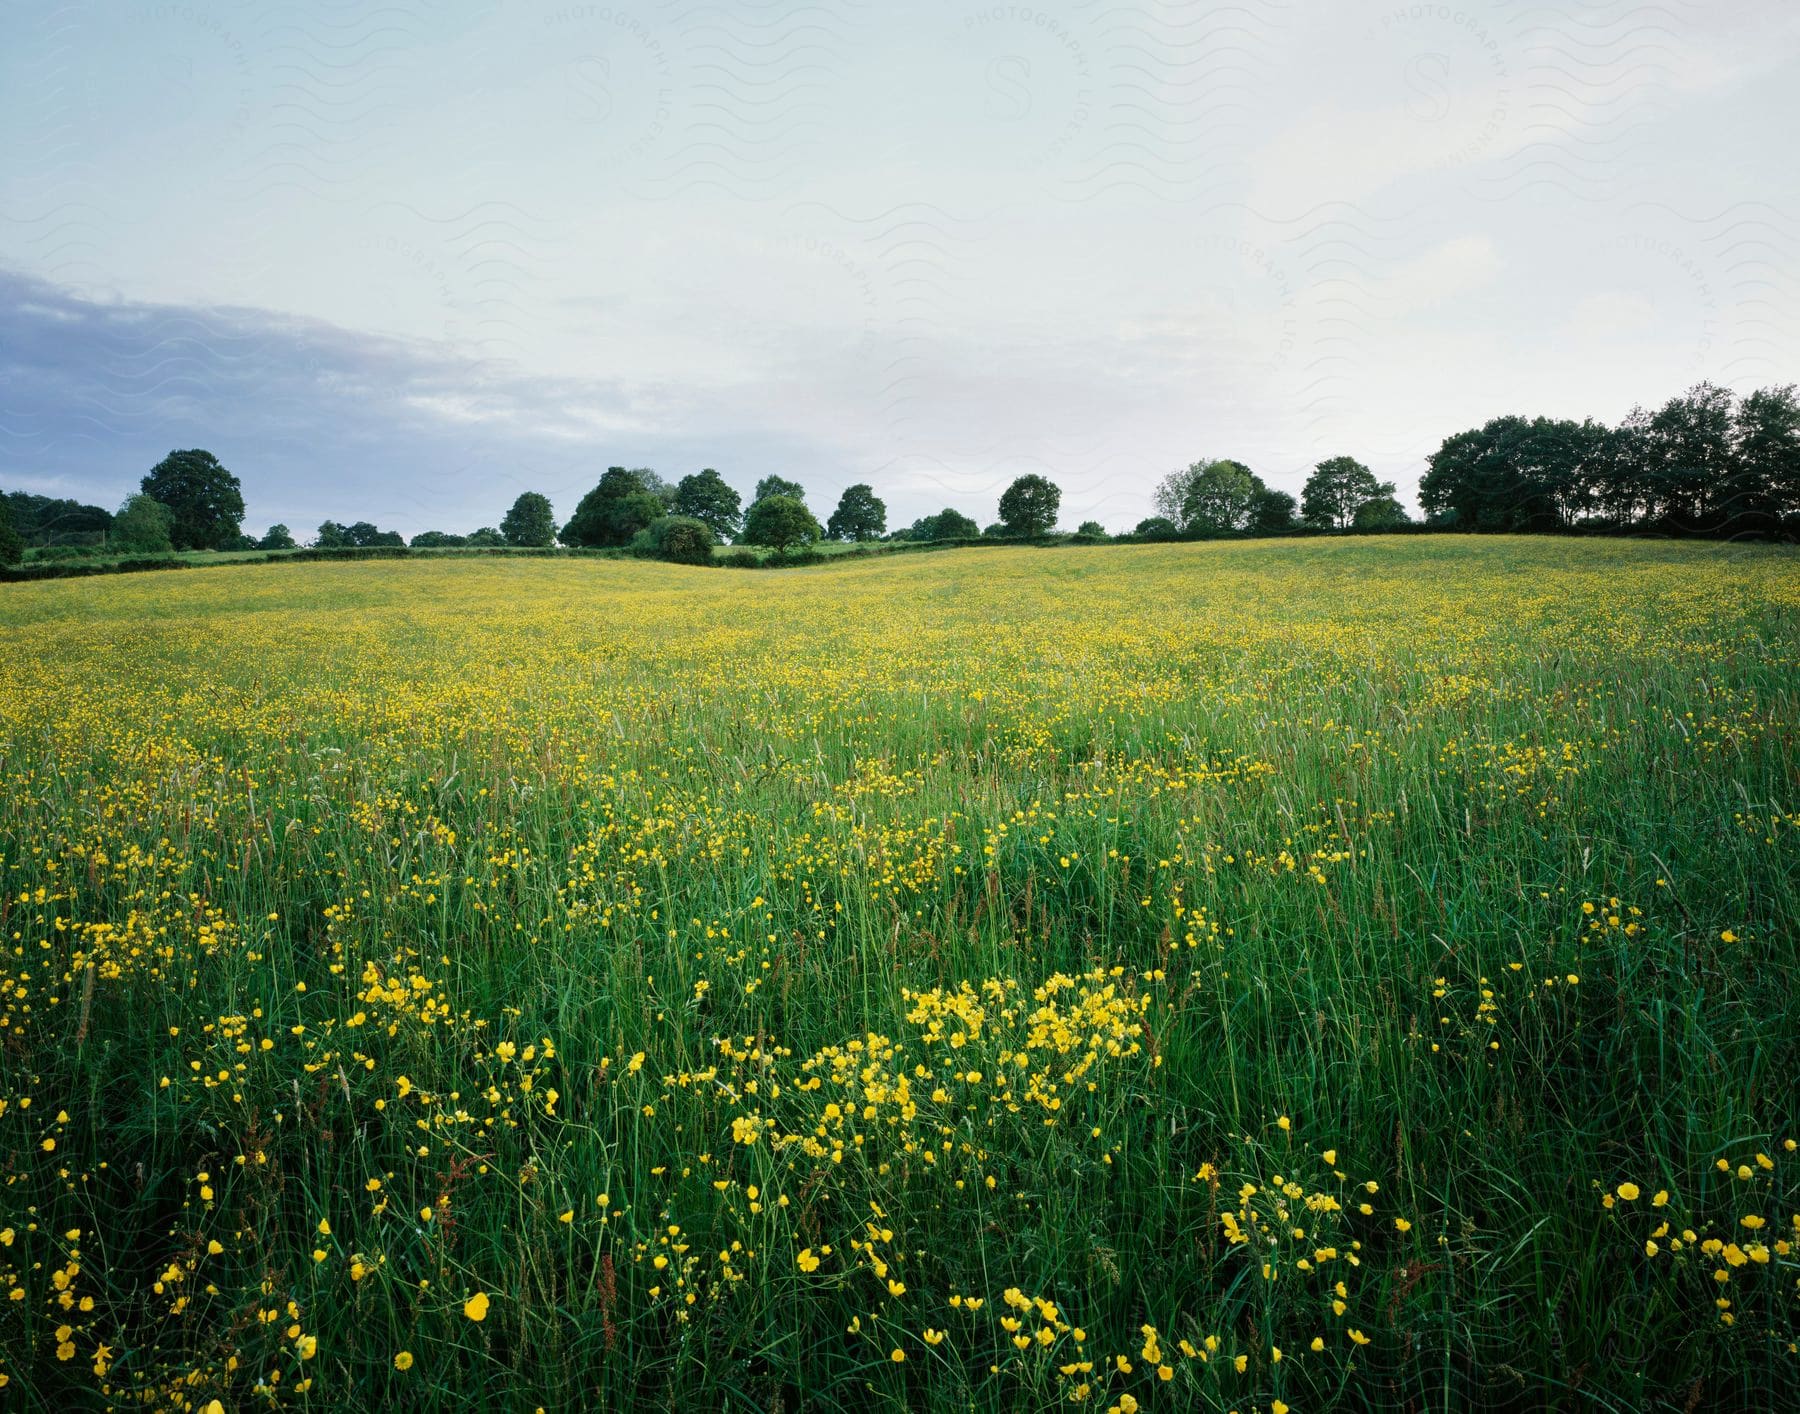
(400, 262)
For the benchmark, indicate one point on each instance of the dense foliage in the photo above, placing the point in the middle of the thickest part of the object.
(705, 496)
(143, 526)
(531, 522)
(947, 524)
(614, 511)
(205, 501)
(1028, 507)
(860, 515)
(12, 546)
(780, 521)
(51, 520)
(1706, 462)
(361, 535)
(683, 540)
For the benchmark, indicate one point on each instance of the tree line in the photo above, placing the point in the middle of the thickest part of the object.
(1707, 462)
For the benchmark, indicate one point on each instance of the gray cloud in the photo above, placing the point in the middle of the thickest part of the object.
(318, 420)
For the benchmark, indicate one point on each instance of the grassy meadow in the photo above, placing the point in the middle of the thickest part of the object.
(1278, 976)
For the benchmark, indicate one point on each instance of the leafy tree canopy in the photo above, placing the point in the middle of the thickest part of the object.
(204, 499)
(531, 521)
(1219, 497)
(1205, 497)
(778, 486)
(143, 526)
(780, 522)
(947, 524)
(1337, 486)
(12, 547)
(860, 515)
(705, 496)
(1029, 505)
(1271, 512)
(663, 490)
(48, 520)
(614, 511)
(1380, 513)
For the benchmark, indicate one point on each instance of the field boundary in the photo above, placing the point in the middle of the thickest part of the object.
(748, 558)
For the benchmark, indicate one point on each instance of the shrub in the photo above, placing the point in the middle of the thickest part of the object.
(684, 540)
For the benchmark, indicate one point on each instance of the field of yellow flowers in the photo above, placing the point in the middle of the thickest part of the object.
(1236, 977)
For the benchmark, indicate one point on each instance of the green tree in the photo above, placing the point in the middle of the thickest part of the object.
(1689, 451)
(664, 491)
(1379, 513)
(204, 499)
(437, 540)
(1091, 529)
(12, 547)
(46, 520)
(530, 522)
(1271, 512)
(1766, 439)
(1219, 497)
(860, 515)
(485, 537)
(1511, 474)
(143, 526)
(330, 536)
(366, 535)
(1618, 487)
(705, 496)
(1157, 528)
(1337, 486)
(1170, 498)
(614, 511)
(778, 486)
(278, 538)
(1029, 506)
(947, 524)
(780, 522)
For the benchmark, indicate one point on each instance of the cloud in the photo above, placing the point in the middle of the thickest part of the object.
(318, 421)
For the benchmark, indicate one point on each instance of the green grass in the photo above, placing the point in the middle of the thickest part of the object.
(1093, 886)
